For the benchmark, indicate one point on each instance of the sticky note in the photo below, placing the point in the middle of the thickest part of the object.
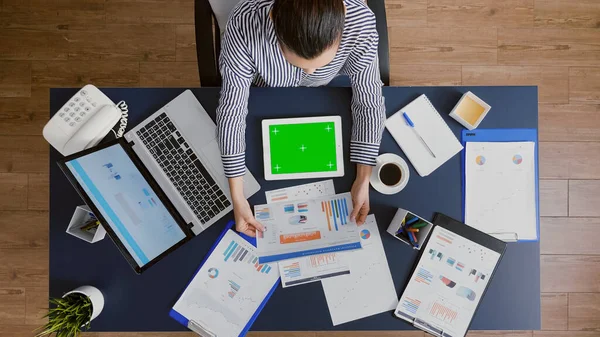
(469, 110)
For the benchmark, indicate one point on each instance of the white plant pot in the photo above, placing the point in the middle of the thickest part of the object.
(95, 297)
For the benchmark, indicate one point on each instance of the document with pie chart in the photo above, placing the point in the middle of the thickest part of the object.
(447, 284)
(306, 227)
(227, 290)
(500, 195)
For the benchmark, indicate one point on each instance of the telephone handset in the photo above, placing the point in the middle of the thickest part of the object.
(84, 121)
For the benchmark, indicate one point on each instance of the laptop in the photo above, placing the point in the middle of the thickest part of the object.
(159, 185)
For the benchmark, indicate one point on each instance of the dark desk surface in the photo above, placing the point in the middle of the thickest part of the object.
(142, 302)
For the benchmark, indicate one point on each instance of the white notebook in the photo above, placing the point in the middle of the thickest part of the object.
(432, 128)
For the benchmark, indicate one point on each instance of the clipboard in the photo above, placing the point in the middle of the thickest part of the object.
(504, 135)
(471, 234)
(198, 328)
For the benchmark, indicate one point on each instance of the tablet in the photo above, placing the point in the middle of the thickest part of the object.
(296, 148)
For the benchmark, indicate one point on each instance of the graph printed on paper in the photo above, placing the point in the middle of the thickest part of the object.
(444, 311)
(238, 253)
(447, 282)
(313, 268)
(306, 227)
(228, 288)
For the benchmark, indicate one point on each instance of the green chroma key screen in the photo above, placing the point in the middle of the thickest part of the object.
(302, 148)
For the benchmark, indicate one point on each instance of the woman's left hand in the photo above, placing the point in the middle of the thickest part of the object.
(360, 194)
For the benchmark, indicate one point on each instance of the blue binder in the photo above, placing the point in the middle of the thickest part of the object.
(504, 135)
(185, 322)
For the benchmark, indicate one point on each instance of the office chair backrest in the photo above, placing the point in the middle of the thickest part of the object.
(221, 9)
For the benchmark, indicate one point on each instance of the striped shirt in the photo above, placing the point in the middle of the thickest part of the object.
(251, 55)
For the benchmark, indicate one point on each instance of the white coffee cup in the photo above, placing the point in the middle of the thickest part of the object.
(390, 175)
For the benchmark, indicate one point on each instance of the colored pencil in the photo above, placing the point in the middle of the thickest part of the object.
(413, 236)
(420, 225)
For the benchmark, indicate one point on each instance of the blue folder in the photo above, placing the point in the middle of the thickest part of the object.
(184, 321)
(504, 135)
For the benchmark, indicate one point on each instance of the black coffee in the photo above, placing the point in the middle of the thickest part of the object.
(390, 174)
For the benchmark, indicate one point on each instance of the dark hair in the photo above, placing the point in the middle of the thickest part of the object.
(308, 27)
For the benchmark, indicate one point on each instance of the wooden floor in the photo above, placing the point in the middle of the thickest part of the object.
(554, 44)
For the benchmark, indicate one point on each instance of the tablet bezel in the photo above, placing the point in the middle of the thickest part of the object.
(337, 122)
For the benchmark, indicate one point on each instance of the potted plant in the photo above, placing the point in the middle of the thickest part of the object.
(72, 313)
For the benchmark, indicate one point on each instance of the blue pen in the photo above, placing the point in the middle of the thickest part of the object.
(412, 126)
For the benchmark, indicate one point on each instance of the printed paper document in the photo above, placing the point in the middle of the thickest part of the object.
(369, 289)
(313, 268)
(303, 228)
(301, 192)
(447, 283)
(228, 289)
(500, 189)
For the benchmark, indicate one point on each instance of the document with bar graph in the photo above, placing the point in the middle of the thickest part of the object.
(447, 284)
(227, 290)
(313, 268)
(302, 228)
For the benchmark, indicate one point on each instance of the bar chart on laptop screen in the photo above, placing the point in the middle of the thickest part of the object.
(238, 254)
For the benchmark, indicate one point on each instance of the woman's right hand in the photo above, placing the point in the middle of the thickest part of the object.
(244, 219)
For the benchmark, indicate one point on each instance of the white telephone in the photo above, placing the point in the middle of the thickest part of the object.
(84, 121)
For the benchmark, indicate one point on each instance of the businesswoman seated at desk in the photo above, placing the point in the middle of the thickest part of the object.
(291, 43)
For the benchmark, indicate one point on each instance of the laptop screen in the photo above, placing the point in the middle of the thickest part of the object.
(127, 202)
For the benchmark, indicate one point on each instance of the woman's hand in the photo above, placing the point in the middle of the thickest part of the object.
(360, 194)
(244, 219)
(242, 214)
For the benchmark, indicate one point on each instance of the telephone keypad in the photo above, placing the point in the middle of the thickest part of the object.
(75, 111)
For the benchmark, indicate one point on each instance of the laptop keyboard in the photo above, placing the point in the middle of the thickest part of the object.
(184, 169)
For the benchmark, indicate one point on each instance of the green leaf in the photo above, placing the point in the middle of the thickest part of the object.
(67, 316)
